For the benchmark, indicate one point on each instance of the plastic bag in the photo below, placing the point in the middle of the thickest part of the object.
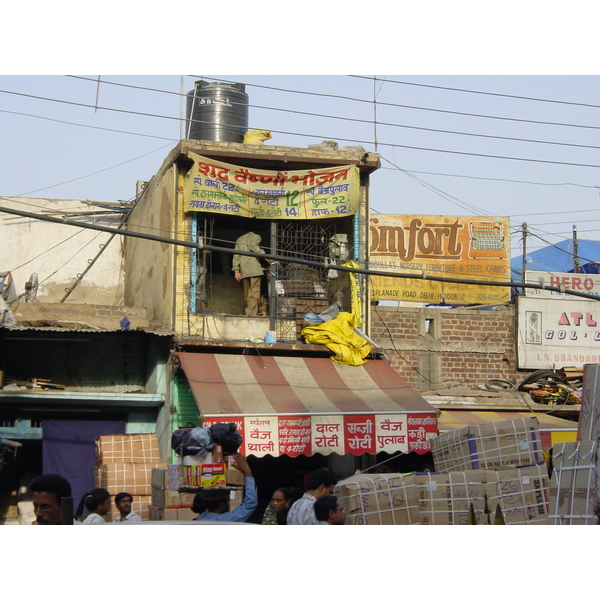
(226, 435)
(196, 441)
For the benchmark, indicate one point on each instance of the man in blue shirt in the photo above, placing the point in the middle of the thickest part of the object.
(216, 501)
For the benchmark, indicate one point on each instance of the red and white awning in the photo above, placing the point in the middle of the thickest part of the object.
(301, 405)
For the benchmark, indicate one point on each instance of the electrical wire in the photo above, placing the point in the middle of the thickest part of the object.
(424, 275)
(452, 89)
(351, 140)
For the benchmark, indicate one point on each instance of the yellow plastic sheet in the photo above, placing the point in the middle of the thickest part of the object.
(339, 336)
(355, 306)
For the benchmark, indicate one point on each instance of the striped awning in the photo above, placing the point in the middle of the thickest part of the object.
(304, 405)
(553, 429)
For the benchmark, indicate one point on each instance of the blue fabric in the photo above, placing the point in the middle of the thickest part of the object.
(69, 450)
(559, 258)
(240, 513)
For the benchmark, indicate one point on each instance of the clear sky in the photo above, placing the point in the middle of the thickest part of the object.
(514, 136)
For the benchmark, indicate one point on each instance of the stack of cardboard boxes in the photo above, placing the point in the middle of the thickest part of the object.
(479, 469)
(574, 487)
(170, 503)
(124, 464)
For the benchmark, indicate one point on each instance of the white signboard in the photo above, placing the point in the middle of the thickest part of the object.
(579, 282)
(554, 333)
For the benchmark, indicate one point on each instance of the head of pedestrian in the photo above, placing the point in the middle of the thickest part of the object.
(329, 509)
(47, 492)
(321, 483)
(281, 499)
(97, 501)
(124, 502)
(215, 501)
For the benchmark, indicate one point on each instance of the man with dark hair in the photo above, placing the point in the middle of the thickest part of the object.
(48, 491)
(214, 503)
(123, 501)
(329, 511)
(320, 483)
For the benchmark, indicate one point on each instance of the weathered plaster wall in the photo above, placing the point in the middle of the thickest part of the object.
(58, 253)
(148, 263)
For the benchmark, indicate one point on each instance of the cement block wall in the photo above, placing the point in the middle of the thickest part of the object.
(442, 348)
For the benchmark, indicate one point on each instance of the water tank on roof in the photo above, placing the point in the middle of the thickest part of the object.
(217, 112)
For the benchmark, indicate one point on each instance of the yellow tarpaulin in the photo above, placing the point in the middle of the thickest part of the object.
(339, 336)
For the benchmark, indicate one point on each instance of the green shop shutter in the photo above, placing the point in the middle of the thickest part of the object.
(187, 414)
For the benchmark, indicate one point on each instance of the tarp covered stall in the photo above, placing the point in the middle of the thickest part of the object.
(553, 430)
(303, 406)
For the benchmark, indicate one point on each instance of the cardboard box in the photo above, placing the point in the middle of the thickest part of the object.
(574, 492)
(178, 514)
(234, 476)
(521, 494)
(588, 428)
(171, 499)
(128, 448)
(134, 478)
(379, 499)
(446, 498)
(505, 444)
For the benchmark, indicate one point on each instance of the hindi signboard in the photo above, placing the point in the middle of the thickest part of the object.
(475, 248)
(218, 187)
(328, 434)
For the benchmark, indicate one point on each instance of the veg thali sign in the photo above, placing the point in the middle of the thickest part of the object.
(217, 187)
(328, 434)
(474, 248)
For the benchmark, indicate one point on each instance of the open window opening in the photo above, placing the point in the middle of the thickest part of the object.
(288, 290)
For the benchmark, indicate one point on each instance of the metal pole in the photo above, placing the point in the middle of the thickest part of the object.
(576, 262)
(524, 263)
(66, 510)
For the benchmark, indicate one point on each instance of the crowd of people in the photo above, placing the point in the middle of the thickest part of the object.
(317, 506)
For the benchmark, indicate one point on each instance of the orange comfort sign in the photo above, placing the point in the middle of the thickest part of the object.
(469, 248)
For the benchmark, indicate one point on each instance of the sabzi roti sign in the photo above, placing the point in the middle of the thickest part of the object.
(475, 248)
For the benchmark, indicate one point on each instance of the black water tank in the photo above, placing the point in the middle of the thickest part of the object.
(217, 112)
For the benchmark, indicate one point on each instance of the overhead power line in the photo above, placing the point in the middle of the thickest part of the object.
(290, 259)
(497, 94)
(354, 140)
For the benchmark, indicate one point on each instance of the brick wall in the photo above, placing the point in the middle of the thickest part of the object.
(441, 348)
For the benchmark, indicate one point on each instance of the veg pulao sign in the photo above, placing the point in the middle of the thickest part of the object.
(475, 248)
(218, 187)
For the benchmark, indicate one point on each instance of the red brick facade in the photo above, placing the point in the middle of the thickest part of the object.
(441, 348)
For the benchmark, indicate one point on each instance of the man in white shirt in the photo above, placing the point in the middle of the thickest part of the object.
(124, 501)
(320, 483)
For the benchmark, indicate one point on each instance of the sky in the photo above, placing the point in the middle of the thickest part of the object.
(524, 146)
(516, 136)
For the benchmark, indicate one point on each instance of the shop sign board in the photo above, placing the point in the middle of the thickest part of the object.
(579, 282)
(327, 434)
(553, 333)
(474, 248)
(224, 188)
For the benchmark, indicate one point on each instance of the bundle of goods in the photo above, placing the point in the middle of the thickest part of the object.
(198, 441)
(124, 464)
(513, 443)
(574, 493)
(470, 497)
(169, 503)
